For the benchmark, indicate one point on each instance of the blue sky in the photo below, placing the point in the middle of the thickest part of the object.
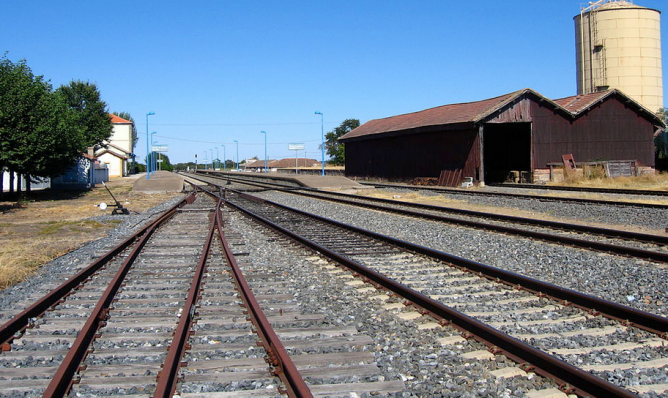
(218, 71)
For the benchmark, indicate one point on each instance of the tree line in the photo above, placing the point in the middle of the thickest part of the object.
(43, 131)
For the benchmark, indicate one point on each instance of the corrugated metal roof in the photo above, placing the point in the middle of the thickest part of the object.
(578, 103)
(475, 112)
(446, 114)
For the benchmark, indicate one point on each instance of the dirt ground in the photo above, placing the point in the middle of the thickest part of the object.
(44, 225)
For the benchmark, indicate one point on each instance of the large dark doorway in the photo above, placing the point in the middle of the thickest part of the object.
(506, 150)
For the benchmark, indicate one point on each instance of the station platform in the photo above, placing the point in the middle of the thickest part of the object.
(160, 181)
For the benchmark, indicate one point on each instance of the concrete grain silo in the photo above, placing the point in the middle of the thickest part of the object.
(618, 45)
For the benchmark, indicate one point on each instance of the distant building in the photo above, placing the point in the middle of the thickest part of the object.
(286, 163)
(117, 151)
(521, 132)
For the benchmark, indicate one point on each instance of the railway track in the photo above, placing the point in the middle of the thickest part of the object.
(617, 191)
(517, 306)
(163, 313)
(179, 288)
(563, 199)
(632, 244)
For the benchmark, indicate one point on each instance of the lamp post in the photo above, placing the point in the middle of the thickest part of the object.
(217, 158)
(322, 137)
(224, 158)
(211, 151)
(237, 154)
(206, 166)
(265, 150)
(148, 168)
(154, 164)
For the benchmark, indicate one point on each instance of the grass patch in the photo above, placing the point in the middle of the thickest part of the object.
(657, 181)
(53, 227)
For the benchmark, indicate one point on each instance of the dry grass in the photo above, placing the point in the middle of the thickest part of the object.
(658, 181)
(412, 197)
(36, 230)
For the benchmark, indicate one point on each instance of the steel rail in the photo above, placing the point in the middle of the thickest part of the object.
(570, 378)
(19, 322)
(469, 192)
(167, 378)
(517, 195)
(622, 191)
(284, 368)
(613, 233)
(64, 378)
(630, 316)
(575, 242)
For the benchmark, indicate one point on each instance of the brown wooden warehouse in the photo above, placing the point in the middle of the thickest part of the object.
(521, 131)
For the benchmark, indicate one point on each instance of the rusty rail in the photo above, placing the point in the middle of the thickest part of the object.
(570, 378)
(19, 322)
(64, 377)
(284, 368)
(607, 232)
(168, 376)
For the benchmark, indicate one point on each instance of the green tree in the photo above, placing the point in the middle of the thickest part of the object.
(334, 148)
(38, 133)
(91, 111)
(165, 164)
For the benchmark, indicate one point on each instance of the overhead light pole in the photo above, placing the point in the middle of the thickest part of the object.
(217, 158)
(148, 167)
(154, 164)
(224, 158)
(265, 150)
(237, 154)
(322, 138)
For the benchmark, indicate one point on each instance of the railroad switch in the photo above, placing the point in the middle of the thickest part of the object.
(119, 209)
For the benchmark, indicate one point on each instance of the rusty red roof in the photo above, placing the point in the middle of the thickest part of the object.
(577, 103)
(475, 112)
(445, 114)
(118, 120)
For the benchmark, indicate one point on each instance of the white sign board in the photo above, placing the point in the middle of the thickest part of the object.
(159, 148)
(296, 147)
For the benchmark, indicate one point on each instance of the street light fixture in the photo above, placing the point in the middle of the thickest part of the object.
(148, 167)
(224, 158)
(154, 165)
(265, 150)
(237, 154)
(322, 137)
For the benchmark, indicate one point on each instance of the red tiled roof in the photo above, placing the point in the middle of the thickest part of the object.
(118, 120)
(260, 163)
(290, 162)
